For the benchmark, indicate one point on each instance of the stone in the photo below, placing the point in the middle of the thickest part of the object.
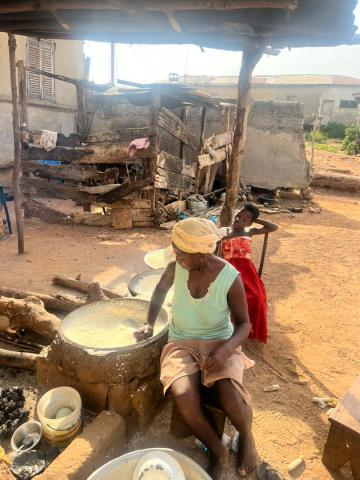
(88, 451)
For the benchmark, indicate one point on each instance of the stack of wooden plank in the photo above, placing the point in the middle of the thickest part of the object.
(216, 150)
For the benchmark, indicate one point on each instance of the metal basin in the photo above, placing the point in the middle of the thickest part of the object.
(107, 324)
(123, 467)
(32, 430)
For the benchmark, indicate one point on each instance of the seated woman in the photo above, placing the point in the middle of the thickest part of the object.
(204, 345)
(236, 249)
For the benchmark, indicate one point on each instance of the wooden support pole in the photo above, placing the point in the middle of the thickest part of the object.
(24, 120)
(201, 144)
(17, 145)
(250, 58)
(154, 117)
(227, 112)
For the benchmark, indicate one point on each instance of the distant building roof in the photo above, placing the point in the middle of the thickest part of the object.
(272, 80)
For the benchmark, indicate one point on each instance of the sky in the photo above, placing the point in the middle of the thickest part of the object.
(151, 63)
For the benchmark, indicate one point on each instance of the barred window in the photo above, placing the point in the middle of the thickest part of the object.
(40, 54)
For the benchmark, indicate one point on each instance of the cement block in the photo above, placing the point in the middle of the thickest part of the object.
(88, 451)
(274, 155)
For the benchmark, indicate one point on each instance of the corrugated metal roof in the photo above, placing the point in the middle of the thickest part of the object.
(272, 80)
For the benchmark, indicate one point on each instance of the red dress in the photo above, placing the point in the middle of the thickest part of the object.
(237, 251)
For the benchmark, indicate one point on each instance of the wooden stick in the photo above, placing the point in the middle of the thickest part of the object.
(22, 94)
(250, 58)
(51, 302)
(263, 253)
(201, 144)
(75, 81)
(227, 112)
(21, 341)
(154, 120)
(18, 359)
(81, 286)
(15, 342)
(17, 146)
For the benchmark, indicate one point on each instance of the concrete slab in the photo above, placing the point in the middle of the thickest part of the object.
(89, 450)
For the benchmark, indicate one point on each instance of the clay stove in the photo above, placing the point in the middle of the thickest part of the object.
(123, 379)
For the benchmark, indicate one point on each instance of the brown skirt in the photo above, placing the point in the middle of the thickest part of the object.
(185, 357)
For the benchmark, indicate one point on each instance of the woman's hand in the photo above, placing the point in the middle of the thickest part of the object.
(218, 358)
(144, 332)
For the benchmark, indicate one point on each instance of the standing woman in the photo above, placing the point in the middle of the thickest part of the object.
(204, 345)
(236, 249)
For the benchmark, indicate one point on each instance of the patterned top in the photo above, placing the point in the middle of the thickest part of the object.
(202, 318)
(237, 247)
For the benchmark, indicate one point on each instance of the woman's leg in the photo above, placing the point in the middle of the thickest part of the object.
(240, 415)
(186, 391)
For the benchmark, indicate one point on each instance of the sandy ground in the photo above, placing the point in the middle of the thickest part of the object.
(312, 280)
(335, 162)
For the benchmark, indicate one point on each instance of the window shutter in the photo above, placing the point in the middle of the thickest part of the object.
(40, 54)
(33, 60)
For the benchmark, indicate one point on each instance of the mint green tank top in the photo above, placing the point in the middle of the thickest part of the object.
(202, 318)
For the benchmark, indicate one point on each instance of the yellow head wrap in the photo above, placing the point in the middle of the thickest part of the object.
(195, 235)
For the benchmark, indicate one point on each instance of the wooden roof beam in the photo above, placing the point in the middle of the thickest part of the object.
(74, 81)
(19, 6)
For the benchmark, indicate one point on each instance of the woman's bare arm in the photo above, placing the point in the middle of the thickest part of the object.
(165, 283)
(239, 314)
(267, 227)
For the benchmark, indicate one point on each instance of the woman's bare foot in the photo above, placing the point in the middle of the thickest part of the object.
(248, 457)
(217, 468)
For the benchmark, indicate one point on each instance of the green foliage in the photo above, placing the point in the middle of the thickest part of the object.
(320, 137)
(351, 143)
(327, 147)
(333, 130)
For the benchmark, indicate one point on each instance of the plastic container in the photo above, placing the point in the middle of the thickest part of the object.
(124, 467)
(59, 431)
(61, 438)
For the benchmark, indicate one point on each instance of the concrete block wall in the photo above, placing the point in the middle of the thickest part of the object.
(274, 155)
(275, 148)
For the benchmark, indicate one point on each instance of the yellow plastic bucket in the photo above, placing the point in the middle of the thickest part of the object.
(60, 431)
(61, 438)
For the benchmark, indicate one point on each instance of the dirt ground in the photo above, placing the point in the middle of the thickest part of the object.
(335, 162)
(313, 285)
